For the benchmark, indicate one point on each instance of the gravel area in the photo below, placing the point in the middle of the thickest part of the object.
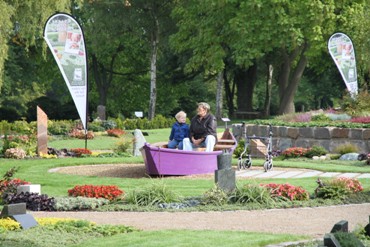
(314, 222)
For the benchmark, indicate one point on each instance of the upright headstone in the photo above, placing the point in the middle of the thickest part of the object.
(42, 132)
(17, 211)
(139, 141)
(224, 175)
(101, 112)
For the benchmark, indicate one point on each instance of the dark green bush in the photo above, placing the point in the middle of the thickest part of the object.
(347, 239)
(332, 192)
(316, 151)
(60, 127)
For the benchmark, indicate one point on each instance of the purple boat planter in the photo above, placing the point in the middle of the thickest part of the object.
(160, 160)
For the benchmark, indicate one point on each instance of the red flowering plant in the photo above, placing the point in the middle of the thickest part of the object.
(81, 151)
(291, 192)
(115, 132)
(295, 152)
(110, 192)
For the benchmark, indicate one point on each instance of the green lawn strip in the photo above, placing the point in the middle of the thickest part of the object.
(192, 238)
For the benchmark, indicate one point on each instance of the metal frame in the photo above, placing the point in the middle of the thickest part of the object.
(247, 162)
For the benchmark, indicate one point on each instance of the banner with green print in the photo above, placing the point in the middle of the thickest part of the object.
(65, 39)
(343, 53)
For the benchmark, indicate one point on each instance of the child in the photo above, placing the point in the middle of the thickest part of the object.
(180, 130)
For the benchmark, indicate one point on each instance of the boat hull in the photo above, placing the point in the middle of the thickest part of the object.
(165, 161)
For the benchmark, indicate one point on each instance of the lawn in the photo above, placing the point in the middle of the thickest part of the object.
(36, 171)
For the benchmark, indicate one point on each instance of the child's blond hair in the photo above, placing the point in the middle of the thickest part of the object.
(180, 114)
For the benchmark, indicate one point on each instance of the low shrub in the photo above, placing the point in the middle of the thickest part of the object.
(346, 148)
(350, 184)
(252, 193)
(109, 192)
(295, 152)
(10, 186)
(316, 151)
(215, 196)
(291, 192)
(81, 151)
(320, 118)
(115, 132)
(34, 201)
(15, 153)
(8, 224)
(123, 145)
(152, 194)
(80, 134)
(347, 239)
(338, 188)
(78, 203)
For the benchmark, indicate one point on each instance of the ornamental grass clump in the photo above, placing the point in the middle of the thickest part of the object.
(291, 192)
(109, 192)
(151, 195)
(252, 193)
(338, 188)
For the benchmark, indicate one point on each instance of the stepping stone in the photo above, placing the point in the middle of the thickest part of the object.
(349, 175)
(269, 174)
(309, 174)
(249, 173)
(289, 174)
(330, 174)
(365, 175)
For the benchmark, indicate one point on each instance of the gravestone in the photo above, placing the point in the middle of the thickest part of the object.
(341, 226)
(31, 188)
(331, 241)
(258, 148)
(17, 211)
(224, 175)
(139, 141)
(101, 112)
(42, 132)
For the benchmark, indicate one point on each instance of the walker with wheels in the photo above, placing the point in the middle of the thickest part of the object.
(247, 162)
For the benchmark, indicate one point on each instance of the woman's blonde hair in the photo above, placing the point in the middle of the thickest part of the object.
(180, 114)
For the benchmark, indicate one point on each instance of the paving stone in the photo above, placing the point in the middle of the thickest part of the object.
(269, 174)
(329, 174)
(365, 175)
(248, 173)
(289, 174)
(349, 175)
(309, 174)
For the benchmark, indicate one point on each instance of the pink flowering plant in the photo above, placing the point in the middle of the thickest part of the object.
(291, 192)
(295, 152)
(349, 184)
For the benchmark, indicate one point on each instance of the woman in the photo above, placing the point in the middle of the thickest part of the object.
(202, 130)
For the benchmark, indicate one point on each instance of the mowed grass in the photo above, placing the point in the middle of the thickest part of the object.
(185, 238)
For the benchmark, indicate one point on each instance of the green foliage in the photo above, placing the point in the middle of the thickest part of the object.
(357, 107)
(320, 118)
(78, 203)
(215, 196)
(252, 193)
(60, 127)
(347, 239)
(332, 192)
(316, 151)
(239, 148)
(346, 148)
(152, 194)
(123, 145)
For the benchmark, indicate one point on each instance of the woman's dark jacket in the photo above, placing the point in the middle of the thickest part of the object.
(179, 131)
(200, 128)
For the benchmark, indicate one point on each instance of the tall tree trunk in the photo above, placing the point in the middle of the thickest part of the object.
(153, 68)
(290, 77)
(219, 95)
(266, 110)
(229, 92)
(245, 81)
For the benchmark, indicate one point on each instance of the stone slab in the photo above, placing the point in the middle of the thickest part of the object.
(139, 142)
(349, 175)
(225, 179)
(13, 209)
(289, 174)
(25, 220)
(329, 174)
(42, 132)
(248, 173)
(364, 175)
(269, 174)
(308, 174)
(31, 188)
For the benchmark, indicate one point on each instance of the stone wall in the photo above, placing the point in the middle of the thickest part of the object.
(327, 137)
